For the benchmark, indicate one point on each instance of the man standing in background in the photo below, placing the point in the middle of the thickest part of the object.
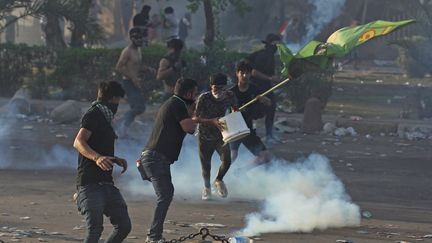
(170, 24)
(142, 21)
(171, 67)
(263, 77)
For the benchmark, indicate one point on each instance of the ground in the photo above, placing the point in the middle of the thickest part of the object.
(385, 175)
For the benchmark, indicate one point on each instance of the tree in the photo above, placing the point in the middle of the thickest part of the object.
(84, 27)
(212, 8)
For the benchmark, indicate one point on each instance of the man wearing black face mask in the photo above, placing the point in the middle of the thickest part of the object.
(97, 194)
(263, 76)
(172, 123)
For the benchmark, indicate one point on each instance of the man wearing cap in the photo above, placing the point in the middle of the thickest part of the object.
(131, 67)
(263, 76)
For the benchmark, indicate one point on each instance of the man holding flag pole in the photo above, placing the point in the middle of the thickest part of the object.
(339, 44)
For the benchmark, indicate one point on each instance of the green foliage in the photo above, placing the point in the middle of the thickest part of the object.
(77, 71)
(19, 64)
(240, 6)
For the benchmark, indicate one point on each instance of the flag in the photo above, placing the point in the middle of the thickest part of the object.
(339, 43)
(349, 37)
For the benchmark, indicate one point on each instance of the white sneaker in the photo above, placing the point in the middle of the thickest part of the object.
(221, 188)
(272, 140)
(206, 194)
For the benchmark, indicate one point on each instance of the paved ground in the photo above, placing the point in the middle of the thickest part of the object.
(387, 176)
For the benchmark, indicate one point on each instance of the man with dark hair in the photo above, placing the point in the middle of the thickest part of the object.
(211, 106)
(172, 123)
(245, 92)
(142, 21)
(171, 66)
(170, 24)
(263, 75)
(130, 65)
(97, 194)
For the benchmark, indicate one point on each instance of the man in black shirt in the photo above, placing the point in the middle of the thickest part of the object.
(97, 194)
(263, 75)
(172, 123)
(142, 21)
(245, 92)
(171, 66)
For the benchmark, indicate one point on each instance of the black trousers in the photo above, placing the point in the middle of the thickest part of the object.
(206, 150)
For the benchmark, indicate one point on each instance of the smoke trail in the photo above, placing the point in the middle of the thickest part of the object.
(324, 12)
(299, 197)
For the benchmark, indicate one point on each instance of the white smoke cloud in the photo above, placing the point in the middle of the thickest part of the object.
(299, 197)
(324, 12)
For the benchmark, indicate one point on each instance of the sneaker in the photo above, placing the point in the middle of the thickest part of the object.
(149, 240)
(206, 194)
(221, 188)
(272, 140)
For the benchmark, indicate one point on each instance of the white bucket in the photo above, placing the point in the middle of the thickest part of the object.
(234, 127)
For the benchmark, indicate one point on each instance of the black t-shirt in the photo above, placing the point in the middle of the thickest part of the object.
(141, 20)
(243, 98)
(167, 135)
(101, 140)
(263, 61)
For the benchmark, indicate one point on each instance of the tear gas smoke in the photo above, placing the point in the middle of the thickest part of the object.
(297, 197)
(324, 12)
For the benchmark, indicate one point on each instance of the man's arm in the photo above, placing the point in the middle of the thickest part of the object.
(165, 70)
(122, 68)
(257, 74)
(81, 145)
(188, 125)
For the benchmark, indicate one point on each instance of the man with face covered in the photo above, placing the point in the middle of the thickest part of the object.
(211, 106)
(171, 124)
(263, 77)
(130, 65)
(97, 196)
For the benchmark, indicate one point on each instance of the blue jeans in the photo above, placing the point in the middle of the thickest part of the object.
(136, 101)
(157, 168)
(93, 202)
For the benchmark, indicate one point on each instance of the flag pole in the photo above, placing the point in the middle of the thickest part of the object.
(265, 93)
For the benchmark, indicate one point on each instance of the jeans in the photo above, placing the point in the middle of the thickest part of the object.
(136, 102)
(93, 202)
(157, 168)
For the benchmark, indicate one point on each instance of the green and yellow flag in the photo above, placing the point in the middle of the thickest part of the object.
(339, 43)
(349, 37)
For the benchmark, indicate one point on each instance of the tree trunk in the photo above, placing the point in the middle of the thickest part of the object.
(78, 30)
(53, 33)
(210, 28)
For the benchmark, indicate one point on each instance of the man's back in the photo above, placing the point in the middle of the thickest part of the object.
(167, 135)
